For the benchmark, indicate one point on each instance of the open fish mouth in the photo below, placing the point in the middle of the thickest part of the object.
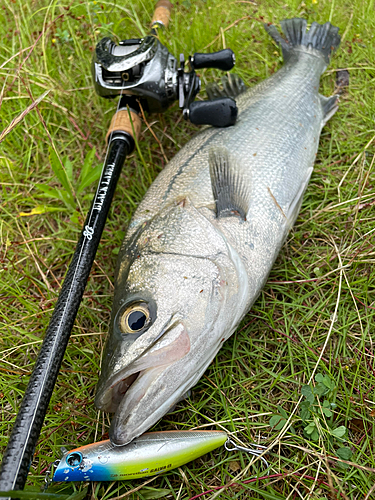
(125, 389)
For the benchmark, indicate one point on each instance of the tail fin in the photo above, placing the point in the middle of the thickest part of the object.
(323, 38)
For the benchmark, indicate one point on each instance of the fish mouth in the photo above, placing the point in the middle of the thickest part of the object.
(124, 390)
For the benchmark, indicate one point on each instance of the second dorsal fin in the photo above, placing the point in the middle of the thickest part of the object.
(231, 86)
(230, 192)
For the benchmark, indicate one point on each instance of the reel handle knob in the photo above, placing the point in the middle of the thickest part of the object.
(224, 60)
(220, 112)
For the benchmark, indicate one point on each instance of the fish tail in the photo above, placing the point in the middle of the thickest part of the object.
(321, 38)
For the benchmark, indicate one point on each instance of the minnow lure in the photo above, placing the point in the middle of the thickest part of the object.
(150, 454)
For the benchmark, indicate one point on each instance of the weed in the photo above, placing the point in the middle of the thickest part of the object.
(63, 36)
(63, 170)
(317, 420)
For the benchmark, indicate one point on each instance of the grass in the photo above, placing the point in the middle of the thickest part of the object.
(314, 317)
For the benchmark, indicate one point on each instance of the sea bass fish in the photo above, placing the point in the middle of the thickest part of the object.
(202, 242)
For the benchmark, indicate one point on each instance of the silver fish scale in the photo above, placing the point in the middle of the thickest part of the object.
(170, 233)
(279, 122)
(272, 146)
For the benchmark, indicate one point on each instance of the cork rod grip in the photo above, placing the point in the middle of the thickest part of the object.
(162, 13)
(121, 123)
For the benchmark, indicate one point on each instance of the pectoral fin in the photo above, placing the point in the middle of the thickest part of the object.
(231, 192)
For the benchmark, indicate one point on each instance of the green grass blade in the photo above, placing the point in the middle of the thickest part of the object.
(35, 495)
(85, 170)
(60, 172)
(91, 176)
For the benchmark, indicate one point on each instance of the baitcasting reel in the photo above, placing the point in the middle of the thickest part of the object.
(144, 68)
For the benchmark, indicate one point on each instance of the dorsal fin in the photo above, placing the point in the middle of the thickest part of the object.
(230, 192)
(231, 86)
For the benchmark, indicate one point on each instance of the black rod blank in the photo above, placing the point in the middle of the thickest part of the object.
(19, 452)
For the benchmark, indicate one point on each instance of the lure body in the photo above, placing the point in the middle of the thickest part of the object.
(148, 455)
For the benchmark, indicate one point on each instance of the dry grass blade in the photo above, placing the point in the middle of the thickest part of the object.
(22, 115)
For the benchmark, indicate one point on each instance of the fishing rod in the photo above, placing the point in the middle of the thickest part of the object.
(146, 77)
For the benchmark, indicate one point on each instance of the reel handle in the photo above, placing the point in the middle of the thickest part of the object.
(224, 60)
(220, 112)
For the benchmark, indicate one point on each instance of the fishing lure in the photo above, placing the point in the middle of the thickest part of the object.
(150, 454)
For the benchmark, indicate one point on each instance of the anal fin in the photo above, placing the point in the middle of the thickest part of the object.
(231, 193)
(329, 105)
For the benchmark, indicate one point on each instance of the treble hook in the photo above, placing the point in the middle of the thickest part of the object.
(250, 451)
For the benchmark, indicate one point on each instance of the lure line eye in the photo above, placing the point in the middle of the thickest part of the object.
(135, 318)
(74, 459)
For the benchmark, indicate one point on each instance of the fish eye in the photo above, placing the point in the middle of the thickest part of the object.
(74, 459)
(135, 318)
